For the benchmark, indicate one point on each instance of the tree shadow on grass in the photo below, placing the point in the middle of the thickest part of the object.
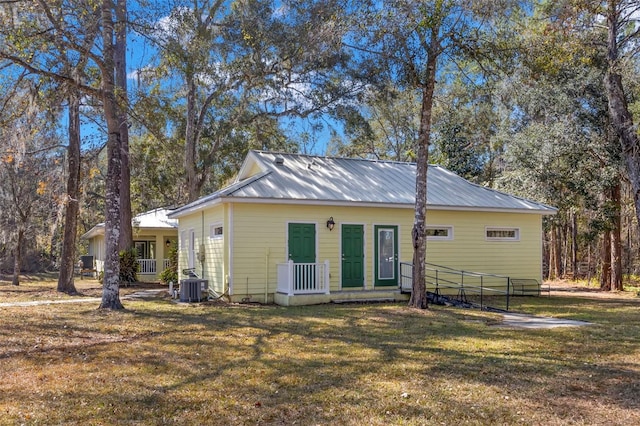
(273, 364)
(393, 334)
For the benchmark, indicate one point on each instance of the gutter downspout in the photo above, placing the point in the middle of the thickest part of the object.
(202, 257)
(230, 252)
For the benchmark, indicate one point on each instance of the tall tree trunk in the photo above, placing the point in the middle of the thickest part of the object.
(120, 50)
(589, 264)
(605, 260)
(616, 240)
(67, 263)
(621, 117)
(555, 252)
(565, 249)
(111, 284)
(574, 245)
(17, 256)
(551, 274)
(555, 266)
(629, 246)
(190, 143)
(418, 233)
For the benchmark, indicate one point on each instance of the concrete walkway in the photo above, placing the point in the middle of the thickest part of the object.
(531, 321)
(142, 294)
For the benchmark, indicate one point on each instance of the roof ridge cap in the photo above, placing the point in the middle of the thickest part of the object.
(331, 157)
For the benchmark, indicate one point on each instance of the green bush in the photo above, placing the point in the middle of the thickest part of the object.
(171, 273)
(129, 266)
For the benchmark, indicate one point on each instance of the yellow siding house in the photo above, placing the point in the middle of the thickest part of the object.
(300, 229)
(153, 235)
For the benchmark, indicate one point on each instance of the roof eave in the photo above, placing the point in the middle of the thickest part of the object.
(194, 208)
(152, 229)
(267, 200)
(93, 232)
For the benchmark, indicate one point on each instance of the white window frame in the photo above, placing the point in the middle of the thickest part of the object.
(516, 231)
(212, 231)
(448, 237)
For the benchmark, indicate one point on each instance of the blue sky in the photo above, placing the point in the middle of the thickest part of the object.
(140, 54)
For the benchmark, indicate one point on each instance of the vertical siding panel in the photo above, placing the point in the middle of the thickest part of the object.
(214, 248)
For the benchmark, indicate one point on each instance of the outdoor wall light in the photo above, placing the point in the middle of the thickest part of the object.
(168, 243)
(331, 223)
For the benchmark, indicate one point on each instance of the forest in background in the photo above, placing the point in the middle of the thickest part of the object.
(521, 102)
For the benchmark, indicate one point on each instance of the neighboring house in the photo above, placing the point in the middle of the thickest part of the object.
(153, 235)
(300, 229)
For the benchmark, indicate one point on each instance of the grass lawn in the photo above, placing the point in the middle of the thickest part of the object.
(158, 362)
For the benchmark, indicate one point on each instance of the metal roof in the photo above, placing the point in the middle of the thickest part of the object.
(153, 219)
(358, 181)
(156, 218)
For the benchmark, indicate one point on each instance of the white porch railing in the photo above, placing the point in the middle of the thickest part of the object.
(303, 278)
(406, 276)
(147, 266)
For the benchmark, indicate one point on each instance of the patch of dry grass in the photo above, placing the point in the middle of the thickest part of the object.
(159, 362)
(43, 287)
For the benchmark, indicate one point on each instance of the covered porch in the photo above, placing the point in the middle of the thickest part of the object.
(148, 269)
(152, 266)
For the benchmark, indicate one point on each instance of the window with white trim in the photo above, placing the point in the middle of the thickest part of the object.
(145, 249)
(439, 232)
(215, 230)
(502, 234)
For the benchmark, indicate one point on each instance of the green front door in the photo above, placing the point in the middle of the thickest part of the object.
(386, 255)
(302, 249)
(302, 242)
(352, 256)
